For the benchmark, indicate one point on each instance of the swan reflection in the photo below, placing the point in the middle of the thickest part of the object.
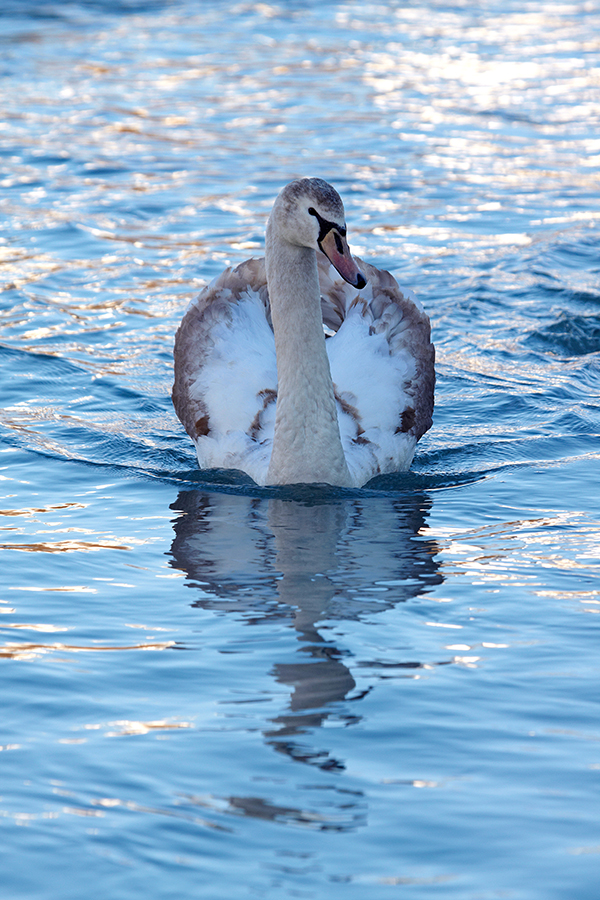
(312, 564)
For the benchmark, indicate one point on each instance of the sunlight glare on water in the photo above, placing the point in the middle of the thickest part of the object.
(211, 689)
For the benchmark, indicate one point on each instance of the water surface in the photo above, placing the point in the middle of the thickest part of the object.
(214, 690)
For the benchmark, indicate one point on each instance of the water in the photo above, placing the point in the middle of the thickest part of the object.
(212, 690)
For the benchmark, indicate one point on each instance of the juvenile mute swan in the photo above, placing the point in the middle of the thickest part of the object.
(293, 374)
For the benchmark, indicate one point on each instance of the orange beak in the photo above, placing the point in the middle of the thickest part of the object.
(335, 248)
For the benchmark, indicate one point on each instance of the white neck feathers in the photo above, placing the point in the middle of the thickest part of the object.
(306, 446)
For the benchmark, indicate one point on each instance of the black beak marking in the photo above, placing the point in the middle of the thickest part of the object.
(325, 226)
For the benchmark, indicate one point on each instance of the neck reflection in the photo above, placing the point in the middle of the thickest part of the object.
(316, 565)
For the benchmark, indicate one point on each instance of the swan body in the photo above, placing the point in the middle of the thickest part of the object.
(308, 365)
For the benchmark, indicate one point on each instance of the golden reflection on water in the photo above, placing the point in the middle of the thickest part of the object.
(30, 626)
(30, 651)
(68, 546)
(40, 510)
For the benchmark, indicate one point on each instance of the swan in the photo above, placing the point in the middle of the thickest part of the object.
(307, 366)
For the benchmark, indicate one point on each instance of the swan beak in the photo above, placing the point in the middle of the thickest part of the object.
(335, 248)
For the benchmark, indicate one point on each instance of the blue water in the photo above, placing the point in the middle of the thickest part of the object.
(212, 690)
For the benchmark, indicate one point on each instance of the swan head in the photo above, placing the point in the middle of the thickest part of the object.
(310, 213)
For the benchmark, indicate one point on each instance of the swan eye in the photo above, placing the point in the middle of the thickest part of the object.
(312, 211)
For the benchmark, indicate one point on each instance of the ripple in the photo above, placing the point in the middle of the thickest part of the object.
(569, 335)
(141, 146)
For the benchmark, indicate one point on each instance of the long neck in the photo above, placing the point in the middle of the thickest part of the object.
(307, 446)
